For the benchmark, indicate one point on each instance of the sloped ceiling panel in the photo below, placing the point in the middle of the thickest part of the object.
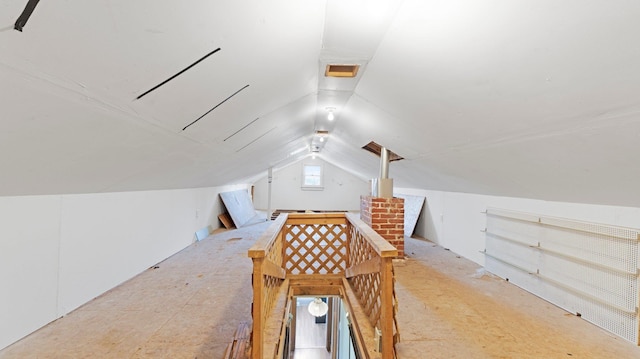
(261, 58)
(522, 98)
(55, 141)
(507, 97)
(72, 77)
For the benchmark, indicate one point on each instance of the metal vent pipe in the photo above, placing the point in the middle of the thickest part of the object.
(383, 186)
(384, 162)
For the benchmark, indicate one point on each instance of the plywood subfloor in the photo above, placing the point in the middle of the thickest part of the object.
(448, 311)
(190, 306)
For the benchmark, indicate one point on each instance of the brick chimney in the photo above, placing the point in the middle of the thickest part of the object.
(386, 217)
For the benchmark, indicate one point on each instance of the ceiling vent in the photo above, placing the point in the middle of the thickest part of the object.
(341, 70)
(377, 149)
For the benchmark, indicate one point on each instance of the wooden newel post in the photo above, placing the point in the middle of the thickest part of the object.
(257, 308)
(386, 301)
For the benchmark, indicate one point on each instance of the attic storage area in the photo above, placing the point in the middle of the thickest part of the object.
(123, 122)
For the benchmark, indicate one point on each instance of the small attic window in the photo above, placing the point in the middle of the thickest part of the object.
(376, 149)
(312, 177)
(341, 70)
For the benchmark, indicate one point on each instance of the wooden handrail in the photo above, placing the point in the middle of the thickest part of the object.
(379, 244)
(266, 240)
(316, 218)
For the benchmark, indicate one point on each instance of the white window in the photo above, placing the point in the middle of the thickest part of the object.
(312, 177)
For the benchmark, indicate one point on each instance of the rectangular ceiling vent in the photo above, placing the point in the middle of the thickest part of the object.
(341, 70)
(377, 149)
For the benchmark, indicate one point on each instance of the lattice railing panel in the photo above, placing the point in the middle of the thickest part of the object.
(315, 248)
(359, 249)
(271, 285)
(274, 253)
(367, 289)
(271, 289)
(366, 286)
(306, 248)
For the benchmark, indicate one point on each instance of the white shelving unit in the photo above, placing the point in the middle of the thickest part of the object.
(585, 268)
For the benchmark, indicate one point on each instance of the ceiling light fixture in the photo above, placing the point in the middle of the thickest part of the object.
(330, 115)
(318, 308)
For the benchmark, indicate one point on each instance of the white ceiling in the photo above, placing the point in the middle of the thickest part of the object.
(536, 99)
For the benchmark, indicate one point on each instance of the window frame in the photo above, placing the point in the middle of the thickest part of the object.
(312, 187)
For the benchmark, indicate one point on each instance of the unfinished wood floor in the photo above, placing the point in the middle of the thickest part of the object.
(190, 306)
(447, 312)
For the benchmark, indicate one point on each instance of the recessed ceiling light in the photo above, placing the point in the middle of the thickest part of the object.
(341, 70)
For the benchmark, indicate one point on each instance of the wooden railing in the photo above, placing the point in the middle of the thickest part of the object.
(303, 247)
(370, 273)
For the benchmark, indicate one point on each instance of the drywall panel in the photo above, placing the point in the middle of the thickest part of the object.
(210, 204)
(109, 238)
(342, 190)
(29, 240)
(412, 209)
(240, 208)
(456, 220)
(429, 223)
(58, 252)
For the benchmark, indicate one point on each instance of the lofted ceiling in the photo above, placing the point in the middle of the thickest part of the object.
(535, 99)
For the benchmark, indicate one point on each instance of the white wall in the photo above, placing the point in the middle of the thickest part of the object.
(455, 220)
(58, 252)
(342, 190)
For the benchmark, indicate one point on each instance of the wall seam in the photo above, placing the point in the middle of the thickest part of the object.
(58, 311)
